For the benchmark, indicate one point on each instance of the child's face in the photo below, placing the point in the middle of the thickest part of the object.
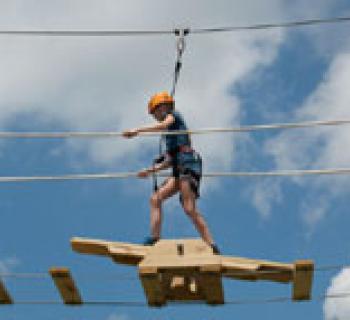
(160, 113)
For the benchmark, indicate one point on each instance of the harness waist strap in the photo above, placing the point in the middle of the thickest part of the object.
(182, 148)
(185, 148)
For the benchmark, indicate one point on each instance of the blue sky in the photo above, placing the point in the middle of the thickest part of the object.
(102, 84)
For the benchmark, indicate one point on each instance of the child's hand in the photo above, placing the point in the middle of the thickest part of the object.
(130, 133)
(144, 173)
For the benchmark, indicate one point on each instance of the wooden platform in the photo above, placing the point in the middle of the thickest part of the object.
(187, 270)
(183, 270)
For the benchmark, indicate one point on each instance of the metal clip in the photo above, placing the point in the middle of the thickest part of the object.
(180, 46)
(181, 43)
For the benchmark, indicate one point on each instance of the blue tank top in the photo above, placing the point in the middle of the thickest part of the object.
(174, 141)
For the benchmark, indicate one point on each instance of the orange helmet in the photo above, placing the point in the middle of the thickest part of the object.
(159, 98)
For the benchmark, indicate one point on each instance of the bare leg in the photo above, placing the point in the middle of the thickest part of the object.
(189, 205)
(167, 190)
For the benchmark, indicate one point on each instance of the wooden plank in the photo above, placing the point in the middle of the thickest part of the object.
(276, 273)
(66, 286)
(303, 277)
(5, 297)
(254, 262)
(172, 246)
(211, 285)
(120, 252)
(90, 246)
(239, 268)
(152, 286)
(127, 253)
(249, 269)
(174, 262)
(187, 270)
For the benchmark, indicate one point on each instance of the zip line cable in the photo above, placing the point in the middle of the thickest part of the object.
(340, 295)
(113, 134)
(127, 175)
(291, 24)
(126, 276)
(116, 33)
(43, 275)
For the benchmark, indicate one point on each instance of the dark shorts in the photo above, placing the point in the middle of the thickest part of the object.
(188, 165)
(194, 181)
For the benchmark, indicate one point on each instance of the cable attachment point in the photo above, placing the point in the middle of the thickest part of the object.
(180, 48)
(181, 43)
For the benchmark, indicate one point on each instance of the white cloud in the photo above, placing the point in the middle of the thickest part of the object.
(313, 212)
(8, 264)
(338, 309)
(326, 39)
(321, 147)
(264, 195)
(104, 83)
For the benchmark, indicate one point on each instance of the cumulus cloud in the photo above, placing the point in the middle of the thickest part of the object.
(321, 147)
(104, 83)
(338, 309)
(318, 148)
(8, 264)
(264, 196)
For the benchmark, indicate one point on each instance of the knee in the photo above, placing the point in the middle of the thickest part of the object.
(190, 210)
(155, 200)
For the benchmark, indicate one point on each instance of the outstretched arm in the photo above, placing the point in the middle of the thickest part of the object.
(168, 121)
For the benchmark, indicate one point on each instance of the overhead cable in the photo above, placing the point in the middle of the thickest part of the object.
(278, 173)
(290, 24)
(113, 134)
(340, 295)
(126, 175)
(116, 33)
(127, 276)
(85, 33)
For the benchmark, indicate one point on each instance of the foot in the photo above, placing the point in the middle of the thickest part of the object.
(215, 248)
(150, 241)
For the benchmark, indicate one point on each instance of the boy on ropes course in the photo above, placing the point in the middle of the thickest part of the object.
(186, 167)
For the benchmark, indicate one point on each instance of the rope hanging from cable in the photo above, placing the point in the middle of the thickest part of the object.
(180, 35)
(180, 48)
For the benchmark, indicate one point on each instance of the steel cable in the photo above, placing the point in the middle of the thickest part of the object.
(113, 134)
(123, 33)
